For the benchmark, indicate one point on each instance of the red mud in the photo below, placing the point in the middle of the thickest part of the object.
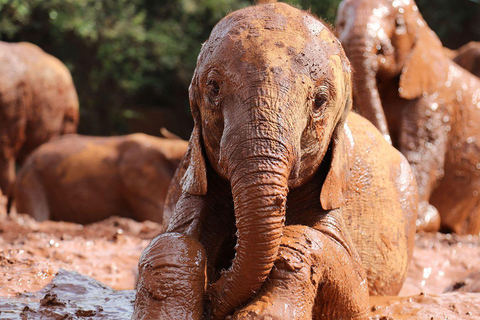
(33, 253)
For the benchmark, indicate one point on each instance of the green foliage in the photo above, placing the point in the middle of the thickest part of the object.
(455, 22)
(121, 52)
(126, 53)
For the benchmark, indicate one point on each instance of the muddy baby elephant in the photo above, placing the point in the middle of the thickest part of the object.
(38, 101)
(85, 179)
(431, 105)
(286, 206)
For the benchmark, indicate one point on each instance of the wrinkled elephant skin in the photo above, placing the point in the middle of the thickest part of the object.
(296, 208)
(432, 106)
(85, 179)
(38, 101)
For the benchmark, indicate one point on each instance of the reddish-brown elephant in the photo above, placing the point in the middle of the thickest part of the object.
(432, 106)
(468, 57)
(85, 179)
(286, 206)
(38, 101)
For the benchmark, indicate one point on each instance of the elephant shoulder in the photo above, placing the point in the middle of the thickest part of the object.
(364, 138)
(372, 156)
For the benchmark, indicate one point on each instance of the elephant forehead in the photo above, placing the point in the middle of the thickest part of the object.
(275, 35)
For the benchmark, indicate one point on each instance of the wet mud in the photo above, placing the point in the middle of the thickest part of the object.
(443, 281)
(70, 295)
(56, 270)
(32, 252)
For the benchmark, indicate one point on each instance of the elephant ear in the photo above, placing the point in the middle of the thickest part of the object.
(332, 195)
(426, 68)
(194, 179)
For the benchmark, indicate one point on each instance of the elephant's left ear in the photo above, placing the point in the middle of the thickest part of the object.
(194, 180)
(426, 68)
(332, 195)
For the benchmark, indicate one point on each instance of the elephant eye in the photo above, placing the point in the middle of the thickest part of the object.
(214, 87)
(320, 100)
(213, 91)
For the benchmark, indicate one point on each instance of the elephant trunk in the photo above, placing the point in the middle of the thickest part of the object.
(365, 91)
(259, 181)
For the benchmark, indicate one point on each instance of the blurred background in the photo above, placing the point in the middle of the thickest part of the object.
(132, 60)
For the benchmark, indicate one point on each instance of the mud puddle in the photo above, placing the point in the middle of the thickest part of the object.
(70, 295)
(97, 266)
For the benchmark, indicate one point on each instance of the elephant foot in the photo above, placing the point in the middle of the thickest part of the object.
(171, 279)
(428, 219)
(313, 278)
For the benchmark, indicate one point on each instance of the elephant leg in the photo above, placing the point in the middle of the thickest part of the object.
(30, 197)
(423, 141)
(171, 281)
(314, 277)
(7, 177)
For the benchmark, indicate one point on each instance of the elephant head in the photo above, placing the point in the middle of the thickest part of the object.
(386, 41)
(269, 95)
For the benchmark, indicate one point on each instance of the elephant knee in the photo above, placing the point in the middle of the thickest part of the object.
(330, 274)
(299, 254)
(171, 280)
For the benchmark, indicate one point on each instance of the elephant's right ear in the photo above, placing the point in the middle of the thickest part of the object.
(332, 195)
(194, 180)
(425, 70)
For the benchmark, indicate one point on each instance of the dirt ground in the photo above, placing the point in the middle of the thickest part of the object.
(56, 270)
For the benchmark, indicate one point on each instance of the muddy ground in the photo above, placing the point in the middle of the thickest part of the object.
(56, 270)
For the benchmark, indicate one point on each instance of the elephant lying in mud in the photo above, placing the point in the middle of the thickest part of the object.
(38, 101)
(285, 206)
(432, 106)
(85, 179)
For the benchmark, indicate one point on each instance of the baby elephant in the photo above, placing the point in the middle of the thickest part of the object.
(431, 106)
(85, 179)
(285, 206)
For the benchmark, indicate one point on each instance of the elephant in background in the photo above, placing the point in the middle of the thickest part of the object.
(285, 206)
(432, 106)
(85, 179)
(468, 57)
(38, 101)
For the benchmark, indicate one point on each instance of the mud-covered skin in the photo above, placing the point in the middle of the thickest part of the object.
(86, 179)
(38, 101)
(279, 177)
(432, 105)
(468, 57)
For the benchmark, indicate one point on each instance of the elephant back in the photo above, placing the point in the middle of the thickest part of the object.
(50, 98)
(12, 99)
(382, 189)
